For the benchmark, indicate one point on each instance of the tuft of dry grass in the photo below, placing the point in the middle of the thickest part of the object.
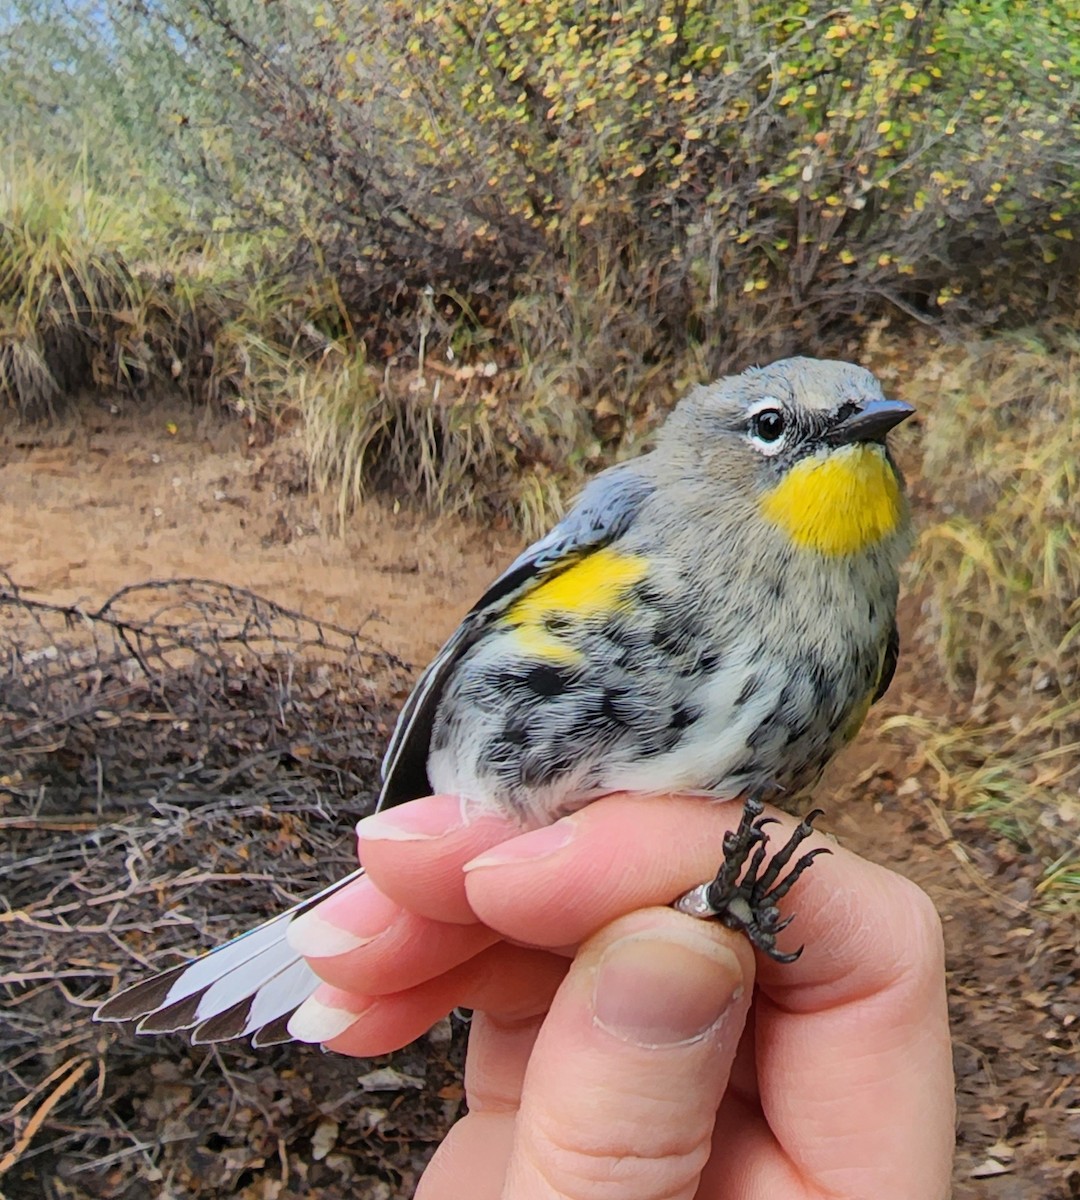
(63, 276)
(998, 567)
(420, 436)
(103, 293)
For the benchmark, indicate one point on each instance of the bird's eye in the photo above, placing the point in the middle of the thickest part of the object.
(768, 425)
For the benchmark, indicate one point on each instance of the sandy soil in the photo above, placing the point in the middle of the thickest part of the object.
(107, 500)
(111, 499)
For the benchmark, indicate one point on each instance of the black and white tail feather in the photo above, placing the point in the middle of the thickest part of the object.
(249, 986)
(252, 985)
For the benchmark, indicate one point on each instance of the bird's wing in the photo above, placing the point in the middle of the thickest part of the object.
(888, 663)
(603, 512)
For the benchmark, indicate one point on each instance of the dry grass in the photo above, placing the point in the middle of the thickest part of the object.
(62, 278)
(425, 436)
(452, 439)
(97, 295)
(998, 567)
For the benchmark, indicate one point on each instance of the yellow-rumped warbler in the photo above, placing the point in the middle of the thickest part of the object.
(714, 616)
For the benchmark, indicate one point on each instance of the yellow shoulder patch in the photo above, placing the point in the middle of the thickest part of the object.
(839, 503)
(593, 587)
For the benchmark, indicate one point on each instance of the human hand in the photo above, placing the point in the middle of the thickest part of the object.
(634, 1072)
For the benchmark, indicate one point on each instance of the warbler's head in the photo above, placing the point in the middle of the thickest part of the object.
(804, 437)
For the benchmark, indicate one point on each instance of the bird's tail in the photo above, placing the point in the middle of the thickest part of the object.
(251, 985)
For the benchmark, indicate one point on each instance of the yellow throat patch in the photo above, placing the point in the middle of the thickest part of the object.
(839, 503)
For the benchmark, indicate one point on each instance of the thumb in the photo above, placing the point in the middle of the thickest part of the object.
(622, 1087)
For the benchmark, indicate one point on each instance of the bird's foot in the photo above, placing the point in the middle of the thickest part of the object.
(750, 903)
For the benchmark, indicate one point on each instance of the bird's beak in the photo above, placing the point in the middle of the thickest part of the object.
(870, 422)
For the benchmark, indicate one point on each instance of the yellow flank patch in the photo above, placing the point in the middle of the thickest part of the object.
(839, 503)
(593, 587)
(858, 715)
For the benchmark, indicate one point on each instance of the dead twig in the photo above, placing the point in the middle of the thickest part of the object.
(157, 750)
(77, 1068)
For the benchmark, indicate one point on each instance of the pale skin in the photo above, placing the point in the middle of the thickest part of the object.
(623, 1051)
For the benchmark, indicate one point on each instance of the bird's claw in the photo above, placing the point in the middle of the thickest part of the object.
(750, 904)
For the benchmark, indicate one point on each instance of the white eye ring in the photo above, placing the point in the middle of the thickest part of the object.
(769, 446)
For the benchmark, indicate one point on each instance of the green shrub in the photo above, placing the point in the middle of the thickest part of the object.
(735, 181)
(760, 162)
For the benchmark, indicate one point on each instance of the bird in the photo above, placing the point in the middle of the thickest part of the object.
(714, 616)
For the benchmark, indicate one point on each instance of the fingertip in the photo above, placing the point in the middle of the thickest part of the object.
(325, 1015)
(471, 1160)
(415, 852)
(864, 928)
(426, 819)
(352, 917)
(314, 937)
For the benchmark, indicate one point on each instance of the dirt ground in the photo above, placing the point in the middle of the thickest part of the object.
(111, 499)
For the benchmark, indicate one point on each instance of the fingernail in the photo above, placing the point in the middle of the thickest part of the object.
(529, 847)
(433, 817)
(655, 989)
(353, 917)
(316, 1023)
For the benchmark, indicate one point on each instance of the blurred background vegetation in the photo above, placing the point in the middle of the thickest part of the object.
(472, 251)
